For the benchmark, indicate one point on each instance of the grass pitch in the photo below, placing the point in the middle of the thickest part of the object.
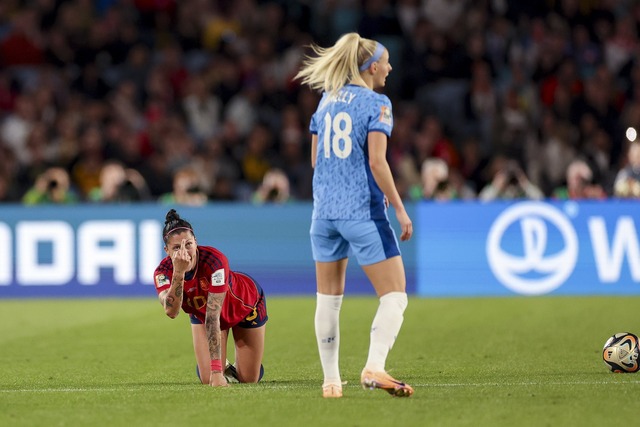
(472, 362)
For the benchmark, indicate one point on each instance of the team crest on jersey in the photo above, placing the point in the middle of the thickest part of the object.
(385, 115)
(203, 284)
(161, 280)
(217, 278)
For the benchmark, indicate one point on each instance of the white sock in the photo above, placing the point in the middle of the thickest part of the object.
(327, 322)
(385, 328)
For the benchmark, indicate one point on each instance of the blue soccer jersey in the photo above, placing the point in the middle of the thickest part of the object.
(343, 186)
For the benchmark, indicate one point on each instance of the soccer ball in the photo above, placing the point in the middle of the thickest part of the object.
(620, 352)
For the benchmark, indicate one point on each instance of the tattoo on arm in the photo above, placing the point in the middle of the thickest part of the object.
(177, 283)
(169, 299)
(168, 302)
(163, 296)
(173, 296)
(212, 324)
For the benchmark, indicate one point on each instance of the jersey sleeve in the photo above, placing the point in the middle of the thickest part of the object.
(162, 276)
(219, 280)
(218, 268)
(381, 119)
(313, 125)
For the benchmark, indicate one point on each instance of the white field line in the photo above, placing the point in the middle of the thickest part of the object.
(301, 386)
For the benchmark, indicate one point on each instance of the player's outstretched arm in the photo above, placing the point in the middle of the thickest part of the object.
(214, 336)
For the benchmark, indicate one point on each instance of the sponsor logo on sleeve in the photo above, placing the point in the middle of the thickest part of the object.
(217, 278)
(385, 115)
(161, 280)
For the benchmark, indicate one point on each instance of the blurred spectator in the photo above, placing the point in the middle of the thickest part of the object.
(401, 159)
(434, 179)
(620, 45)
(473, 164)
(66, 142)
(556, 148)
(23, 45)
(462, 189)
(408, 12)
(51, 187)
(627, 183)
(444, 14)
(294, 158)
(187, 189)
(509, 183)
(202, 109)
(90, 83)
(134, 188)
(15, 128)
(112, 175)
(13, 176)
(256, 159)
(439, 142)
(8, 93)
(125, 104)
(6, 189)
(157, 174)
(119, 184)
(86, 167)
(274, 188)
(586, 53)
(597, 152)
(37, 154)
(152, 84)
(580, 183)
(242, 109)
(566, 78)
(378, 19)
(481, 102)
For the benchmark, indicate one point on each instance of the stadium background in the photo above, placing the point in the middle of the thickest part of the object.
(203, 89)
(458, 249)
(189, 103)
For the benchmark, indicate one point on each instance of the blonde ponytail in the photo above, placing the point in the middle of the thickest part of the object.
(333, 67)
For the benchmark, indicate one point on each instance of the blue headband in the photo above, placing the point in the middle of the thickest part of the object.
(376, 56)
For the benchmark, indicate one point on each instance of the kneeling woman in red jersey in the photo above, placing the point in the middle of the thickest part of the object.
(198, 279)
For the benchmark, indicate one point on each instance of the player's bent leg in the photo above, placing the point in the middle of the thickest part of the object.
(201, 350)
(249, 346)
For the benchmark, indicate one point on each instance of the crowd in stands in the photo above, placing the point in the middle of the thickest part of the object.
(193, 101)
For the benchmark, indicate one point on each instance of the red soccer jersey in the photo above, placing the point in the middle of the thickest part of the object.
(212, 274)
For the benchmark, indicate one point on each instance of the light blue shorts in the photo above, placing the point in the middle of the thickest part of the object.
(370, 241)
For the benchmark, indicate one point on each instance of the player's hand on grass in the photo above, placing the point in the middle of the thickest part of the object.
(217, 379)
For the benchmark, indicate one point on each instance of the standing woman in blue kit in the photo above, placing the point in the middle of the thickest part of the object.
(352, 187)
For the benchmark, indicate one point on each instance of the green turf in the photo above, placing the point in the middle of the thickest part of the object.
(473, 362)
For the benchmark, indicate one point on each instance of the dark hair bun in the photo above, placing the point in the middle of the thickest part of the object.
(172, 216)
